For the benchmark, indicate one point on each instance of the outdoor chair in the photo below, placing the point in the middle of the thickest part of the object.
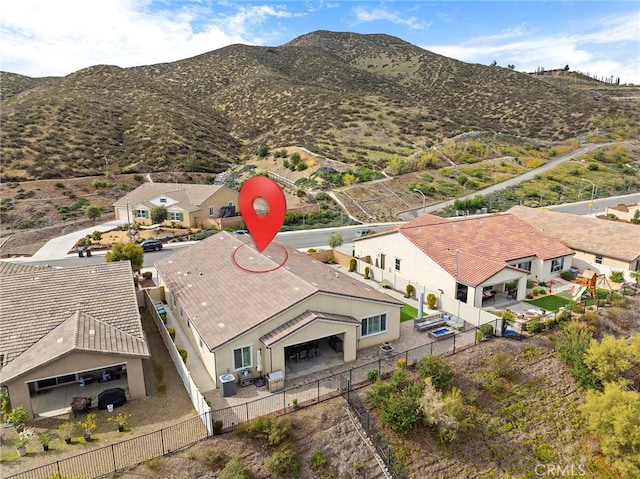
(302, 354)
(292, 355)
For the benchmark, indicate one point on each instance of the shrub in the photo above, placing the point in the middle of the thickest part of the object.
(410, 291)
(373, 375)
(283, 464)
(183, 354)
(486, 330)
(353, 263)
(572, 343)
(216, 459)
(100, 184)
(263, 151)
(529, 295)
(438, 369)
(367, 272)
(401, 363)
(96, 235)
(172, 333)
(431, 301)
(138, 178)
(617, 276)
(318, 460)
(147, 275)
(402, 410)
(236, 469)
(18, 415)
(534, 327)
(267, 430)
(566, 275)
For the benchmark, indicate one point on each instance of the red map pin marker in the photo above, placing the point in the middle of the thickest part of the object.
(263, 225)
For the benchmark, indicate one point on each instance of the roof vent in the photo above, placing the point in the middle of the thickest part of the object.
(92, 332)
(221, 325)
(60, 339)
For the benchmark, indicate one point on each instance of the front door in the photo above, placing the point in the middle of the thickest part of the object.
(382, 261)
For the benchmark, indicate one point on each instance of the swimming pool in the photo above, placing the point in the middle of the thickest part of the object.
(441, 332)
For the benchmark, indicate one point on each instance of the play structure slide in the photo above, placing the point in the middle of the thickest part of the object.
(578, 295)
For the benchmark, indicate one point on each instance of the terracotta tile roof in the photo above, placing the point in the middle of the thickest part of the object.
(33, 303)
(79, 332)
(477, 248)
(300, 321)
(224, 301)
(592, 235)
(186, 194)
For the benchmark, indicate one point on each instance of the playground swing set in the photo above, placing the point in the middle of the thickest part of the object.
(589, 281)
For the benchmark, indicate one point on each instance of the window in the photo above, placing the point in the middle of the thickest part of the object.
(598, 259)
(397, 264)
(374, 325)
(173, 216)
(525, 266)
(212, 210)
(557, 264)
(242, 358)
(163, 199)
(142, 214)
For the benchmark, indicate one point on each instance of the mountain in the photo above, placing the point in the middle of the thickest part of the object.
(357, 98)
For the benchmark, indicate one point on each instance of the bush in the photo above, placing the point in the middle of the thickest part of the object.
(100, 184)
(96, 235)
(318, 460)
(410, 291)
(172, 333)
(431, 301)
(353, 263)
(529, 295)
(486, 330)
(236, 469)
(283, 464)
(18, 415)
(402, 410)
(267, 430)
(373, 375)
(147, 275)
(534, 327)
(401, 363)
(183, 354)
(367, 272)
(216, 459)
(566, 275)
(617, 276)
(438, 369)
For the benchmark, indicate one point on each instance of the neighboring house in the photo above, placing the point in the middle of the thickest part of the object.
(62, 325)
(600, 245)
(231, 313)
(187, 205)
(471, 259)
(624, 212)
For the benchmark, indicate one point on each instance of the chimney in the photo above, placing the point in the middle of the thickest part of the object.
(420, 304)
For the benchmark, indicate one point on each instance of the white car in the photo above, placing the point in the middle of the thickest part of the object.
(364, 232)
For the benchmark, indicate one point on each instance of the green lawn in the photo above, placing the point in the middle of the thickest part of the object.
(408, 313)
(551, 303)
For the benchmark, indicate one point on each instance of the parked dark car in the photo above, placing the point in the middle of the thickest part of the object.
(151, 245)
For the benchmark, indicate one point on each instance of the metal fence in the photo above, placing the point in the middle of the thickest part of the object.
(125, 454)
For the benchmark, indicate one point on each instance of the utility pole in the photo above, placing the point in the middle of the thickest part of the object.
(424, 199)
(593, 190)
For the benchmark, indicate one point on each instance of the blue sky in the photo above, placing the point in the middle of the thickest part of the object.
(58, 37)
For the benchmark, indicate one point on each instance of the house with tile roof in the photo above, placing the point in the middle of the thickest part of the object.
(187, 205)
(473, 259)
(234, 301)
(62, 327)
(600, 245)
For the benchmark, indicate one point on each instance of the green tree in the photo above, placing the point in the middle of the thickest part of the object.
(438, 369)
(126, 252)
(609, 358)
(263, 151)
(349, 179)
(159, 214)
(335, 239)
(614, 415)
(92, 212)
(300, 193)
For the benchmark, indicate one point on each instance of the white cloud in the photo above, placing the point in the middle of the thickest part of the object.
(608, 47)
(57, 38)
(365, 15)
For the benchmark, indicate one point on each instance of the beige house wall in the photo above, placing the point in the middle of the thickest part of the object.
(77, 363)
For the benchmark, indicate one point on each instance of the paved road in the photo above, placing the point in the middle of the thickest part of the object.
(599, 205)
(409, 215)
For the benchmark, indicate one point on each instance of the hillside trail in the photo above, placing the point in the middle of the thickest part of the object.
(586, 148)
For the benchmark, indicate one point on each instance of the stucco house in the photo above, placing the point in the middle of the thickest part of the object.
(187, 205)
(473, 259)
(234, 302)
(600, 245)
(64, 327)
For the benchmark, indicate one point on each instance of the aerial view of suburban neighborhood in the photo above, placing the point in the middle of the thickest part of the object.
(345, 256)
